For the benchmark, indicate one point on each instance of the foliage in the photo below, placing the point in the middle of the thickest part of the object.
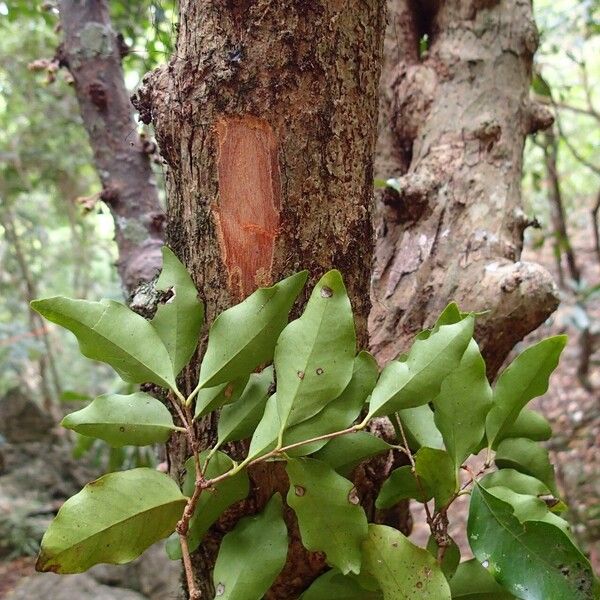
(511, 524)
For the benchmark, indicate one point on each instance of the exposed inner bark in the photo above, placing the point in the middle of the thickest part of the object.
(92, 53)
(266, 116)
(459, 113)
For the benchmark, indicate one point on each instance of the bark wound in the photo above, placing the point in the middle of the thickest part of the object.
(247, 215)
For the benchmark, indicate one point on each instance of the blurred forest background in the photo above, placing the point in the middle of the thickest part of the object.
(56, 237)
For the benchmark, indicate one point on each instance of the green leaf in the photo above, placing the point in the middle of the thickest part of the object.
(134, 420)
(332, 585)
(418, 380)
(524, 379)
(462, 405)
(179, 320)
(212, 502)
(314, 356)
(112, 520)
(529, 424)
(527, 457)
(517, 482)
(337, 415)
(244, 336)
(451, 556)
(346, 452)
(403, 570)
(436, 469)
(472, 582)
(210, 399)
(420, 428)
(329, 514)
(238, 420)
(252, 555)
(533, 560)
(528, 508)
(110, 332)
(402, 485)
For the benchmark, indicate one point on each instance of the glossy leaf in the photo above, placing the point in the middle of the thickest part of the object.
(473, 582)
(314, 356)
(418, 380)
(337, 415)
(420, 428)
(134, 420)
(462, 405)
(332, 585)
(436, 469)
(112, 520)
(244, 336)
(404, 571)
(179, 320)
(518, 555)
(239, 419)
(526, 457)
(252, 555)
(212, 398)
(109, 332)
(529, 424)
(344, 453)
(524, 379)
(402, 485)
(212, 502)
(450, 559)
(329, 514)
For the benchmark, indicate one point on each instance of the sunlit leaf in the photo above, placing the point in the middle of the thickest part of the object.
(420, 428)
(529, 424)
(473, 582)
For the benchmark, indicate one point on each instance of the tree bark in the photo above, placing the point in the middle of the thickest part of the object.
(92, 52)
(266, 117)
(455, 117)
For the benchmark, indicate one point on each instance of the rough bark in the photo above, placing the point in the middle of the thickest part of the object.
(92, 52)
(455, 119)
(266, 117)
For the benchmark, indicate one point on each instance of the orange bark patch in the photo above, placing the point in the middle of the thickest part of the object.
(247, 215)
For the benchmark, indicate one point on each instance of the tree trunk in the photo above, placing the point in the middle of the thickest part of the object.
(92, 52)
(456, 110)
(266, 117)
(563, 241)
